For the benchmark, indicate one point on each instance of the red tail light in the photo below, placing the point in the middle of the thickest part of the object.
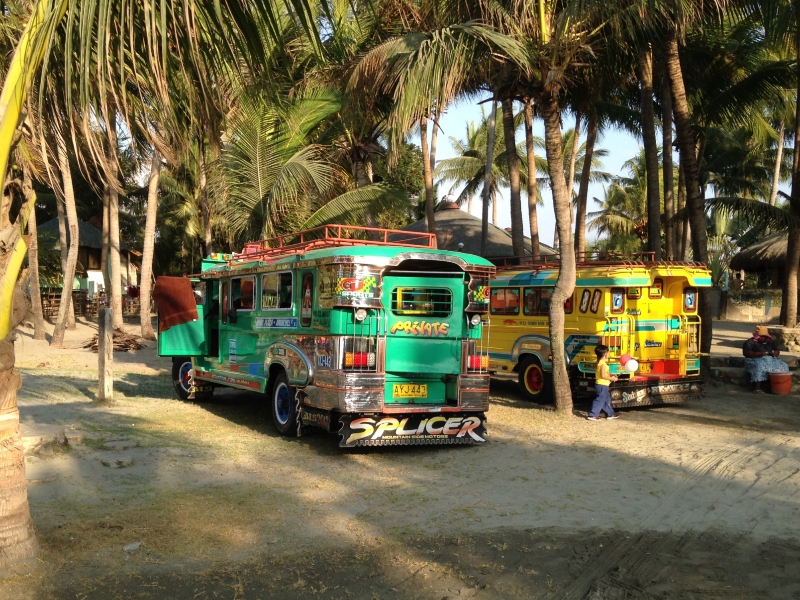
(477, 363)
(359, 360)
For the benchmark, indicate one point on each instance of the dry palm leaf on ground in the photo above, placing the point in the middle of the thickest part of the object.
(123, 342)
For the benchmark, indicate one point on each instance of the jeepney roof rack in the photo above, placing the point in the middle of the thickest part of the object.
(330, 236)
(590, 259)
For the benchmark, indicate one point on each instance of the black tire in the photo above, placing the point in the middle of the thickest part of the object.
(284, 406)
(182, 378)
(535, 384)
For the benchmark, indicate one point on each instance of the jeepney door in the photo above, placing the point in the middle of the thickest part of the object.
(426, 323)
(237, 343)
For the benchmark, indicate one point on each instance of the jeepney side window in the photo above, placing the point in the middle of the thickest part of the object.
(243, 292)
(617, 301)
(689, 300)
(531, 301)
(276, 291)
(285, 290)
(585, 295)
(224, 296)
(306, 299)
(568, 305)
(504, 301)
(545, 296)
(537, 301)
(596, 297)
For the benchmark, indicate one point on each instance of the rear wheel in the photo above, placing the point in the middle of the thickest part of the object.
(182, 376)
(284, 411)
(183, 381)
(535, 384)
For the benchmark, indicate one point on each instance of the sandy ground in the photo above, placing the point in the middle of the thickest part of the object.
(694, 501)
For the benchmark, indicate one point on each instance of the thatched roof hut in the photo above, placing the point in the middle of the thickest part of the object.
(768, 255)
(454, 226)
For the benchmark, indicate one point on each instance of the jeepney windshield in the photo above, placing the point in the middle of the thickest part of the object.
(433, 302)
(199, 289)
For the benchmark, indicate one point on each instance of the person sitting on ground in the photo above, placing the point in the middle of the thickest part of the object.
(761, 357)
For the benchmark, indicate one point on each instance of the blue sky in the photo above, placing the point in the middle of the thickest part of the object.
(621, 146)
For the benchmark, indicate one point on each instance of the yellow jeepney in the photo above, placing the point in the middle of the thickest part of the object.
(639, 307)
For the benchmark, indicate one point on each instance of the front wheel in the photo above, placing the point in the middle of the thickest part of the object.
(284, 412)
(535, 384)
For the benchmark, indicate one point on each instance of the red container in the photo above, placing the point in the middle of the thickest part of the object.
(780, 383)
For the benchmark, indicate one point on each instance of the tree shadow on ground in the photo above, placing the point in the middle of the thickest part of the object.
(318, 522)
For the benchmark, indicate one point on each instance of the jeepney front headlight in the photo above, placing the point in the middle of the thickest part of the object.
(361, 314)
(475, 320)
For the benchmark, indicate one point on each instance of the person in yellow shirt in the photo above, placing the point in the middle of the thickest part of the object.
(602, 379)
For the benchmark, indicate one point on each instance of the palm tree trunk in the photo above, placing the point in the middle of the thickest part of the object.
(113, 228)
(583, 192)
(517, 233)
(430, 219)
(650, 152)
(495, 218)
(573, 157)
(434, 138)
(487, 177)
(33, 259)
(74, 241)
(565, 284)
(104, 251)
(694, 199)
(205, 206)
(149, 246)
(64, 250)
(682, 235)
(532, 182)
(17, 536)
(667, 167)
(776, 174)
(789, 300)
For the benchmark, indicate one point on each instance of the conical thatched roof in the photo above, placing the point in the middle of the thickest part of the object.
(766, 255)
(454, 226)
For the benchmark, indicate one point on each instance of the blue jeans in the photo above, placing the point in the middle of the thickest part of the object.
(601, 402)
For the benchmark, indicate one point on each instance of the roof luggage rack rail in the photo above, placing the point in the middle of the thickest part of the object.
(590, 259)
(329, 236)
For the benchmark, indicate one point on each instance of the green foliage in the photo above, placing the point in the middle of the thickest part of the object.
(50, 274)
(406, 172)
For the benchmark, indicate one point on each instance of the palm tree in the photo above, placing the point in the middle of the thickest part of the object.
(135, 53)
(467, 169)
(74, 240)
(145, 291)
(651, 150)
(624, 212)
(530, 155)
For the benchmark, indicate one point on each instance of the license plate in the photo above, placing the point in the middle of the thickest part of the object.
(645, 367)
(410, 390)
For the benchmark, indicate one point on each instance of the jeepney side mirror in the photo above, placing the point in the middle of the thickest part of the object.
(232, 315)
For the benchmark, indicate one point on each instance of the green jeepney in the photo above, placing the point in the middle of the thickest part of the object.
(379, 341)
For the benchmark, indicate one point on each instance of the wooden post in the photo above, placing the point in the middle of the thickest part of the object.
(105, 356)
